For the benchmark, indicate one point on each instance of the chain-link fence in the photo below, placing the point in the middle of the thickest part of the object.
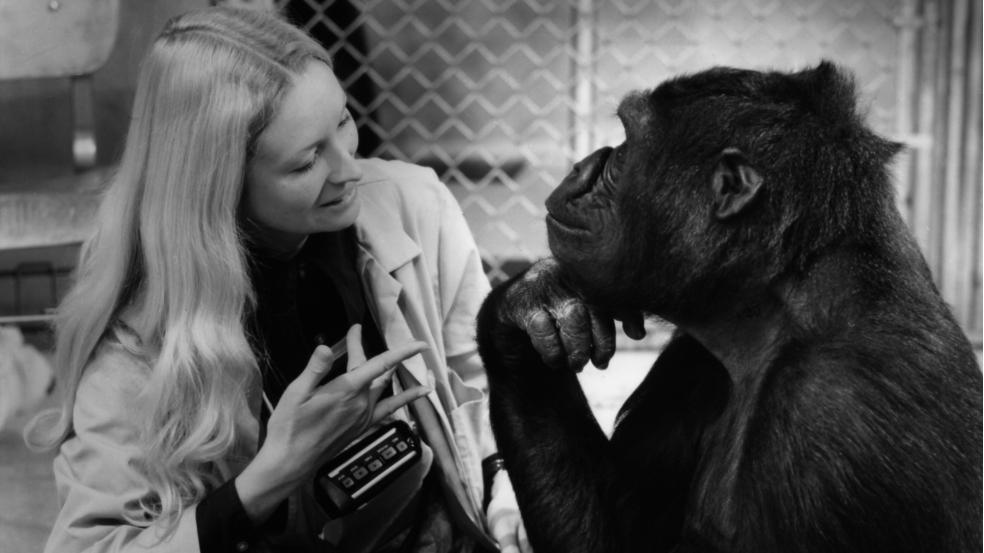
(501, 97)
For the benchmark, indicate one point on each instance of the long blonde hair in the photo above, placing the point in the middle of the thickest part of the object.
(169, 248)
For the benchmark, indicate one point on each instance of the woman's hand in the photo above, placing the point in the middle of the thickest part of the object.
(312, 422)
(505, 522)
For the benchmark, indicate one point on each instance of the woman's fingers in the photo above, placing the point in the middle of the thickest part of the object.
(318, 365)
(353, 340)
(380, 383)
(362, 376)
(387, 406)
(523, 539)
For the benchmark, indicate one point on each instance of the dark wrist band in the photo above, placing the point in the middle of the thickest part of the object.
(490, 466)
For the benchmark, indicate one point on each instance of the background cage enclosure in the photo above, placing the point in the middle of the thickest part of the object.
(500, 97)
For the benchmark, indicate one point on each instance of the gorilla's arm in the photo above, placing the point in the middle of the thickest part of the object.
(578, 491)
(557, 455)
(640, 491)
(656, 442)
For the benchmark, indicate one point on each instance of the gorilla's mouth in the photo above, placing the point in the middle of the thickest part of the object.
(564, 210)
(561, 225)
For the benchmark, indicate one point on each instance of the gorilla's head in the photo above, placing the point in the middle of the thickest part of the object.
(727, 179)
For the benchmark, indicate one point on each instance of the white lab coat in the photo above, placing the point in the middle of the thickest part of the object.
(424, 281)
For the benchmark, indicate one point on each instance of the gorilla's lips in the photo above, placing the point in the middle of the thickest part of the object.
(554, 223)
(563, 211)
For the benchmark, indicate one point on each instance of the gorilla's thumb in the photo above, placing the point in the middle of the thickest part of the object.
(633, 325)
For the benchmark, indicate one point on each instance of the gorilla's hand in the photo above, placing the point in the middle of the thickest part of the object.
(563, 329)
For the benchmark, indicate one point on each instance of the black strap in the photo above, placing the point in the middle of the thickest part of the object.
(490, 466)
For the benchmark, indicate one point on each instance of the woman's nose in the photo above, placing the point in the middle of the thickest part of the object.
(344, 166)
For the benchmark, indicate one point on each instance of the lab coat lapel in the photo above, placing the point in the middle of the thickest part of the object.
(434, 422)
(384, 247)
(386, 295)
(385, 261)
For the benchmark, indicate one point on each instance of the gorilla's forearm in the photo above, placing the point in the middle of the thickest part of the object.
(556, 453)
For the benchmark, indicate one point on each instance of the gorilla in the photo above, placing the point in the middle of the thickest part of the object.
(817, 395)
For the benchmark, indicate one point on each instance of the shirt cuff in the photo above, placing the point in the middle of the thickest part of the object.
(222, 522)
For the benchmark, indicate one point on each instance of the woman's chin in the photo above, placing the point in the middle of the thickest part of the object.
(331, 218)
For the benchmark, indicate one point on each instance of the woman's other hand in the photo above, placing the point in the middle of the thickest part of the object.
(312, 422)
(504, 518)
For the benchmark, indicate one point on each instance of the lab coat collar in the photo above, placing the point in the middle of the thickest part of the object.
(381, 236)
(384, 247)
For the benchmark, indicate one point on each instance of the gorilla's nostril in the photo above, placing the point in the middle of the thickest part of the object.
(588, 171)
(577, 184)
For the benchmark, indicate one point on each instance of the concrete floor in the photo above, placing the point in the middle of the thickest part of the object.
(27, 494)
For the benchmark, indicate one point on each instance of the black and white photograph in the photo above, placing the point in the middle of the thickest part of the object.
(479, 276)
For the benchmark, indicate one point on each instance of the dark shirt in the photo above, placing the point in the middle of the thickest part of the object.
(311, 299)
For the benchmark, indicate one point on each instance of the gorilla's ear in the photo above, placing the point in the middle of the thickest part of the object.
(734, 183)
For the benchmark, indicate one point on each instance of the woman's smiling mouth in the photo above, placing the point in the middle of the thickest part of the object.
(345, 198)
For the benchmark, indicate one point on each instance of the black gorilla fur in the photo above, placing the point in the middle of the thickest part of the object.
(840, 409)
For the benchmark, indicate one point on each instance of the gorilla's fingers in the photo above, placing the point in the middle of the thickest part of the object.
(542, 329)
(603, 339)
(633, 325)
(575, 327)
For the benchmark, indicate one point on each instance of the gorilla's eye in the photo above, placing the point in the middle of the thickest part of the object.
(613, 167)
(620, 155)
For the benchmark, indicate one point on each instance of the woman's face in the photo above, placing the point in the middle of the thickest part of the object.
(302, 177)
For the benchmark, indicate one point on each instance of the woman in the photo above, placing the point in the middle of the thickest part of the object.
(239, 237)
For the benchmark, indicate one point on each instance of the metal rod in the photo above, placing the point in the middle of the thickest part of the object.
(584, 44)
(905, 93)
(954, 239)
(84, 135)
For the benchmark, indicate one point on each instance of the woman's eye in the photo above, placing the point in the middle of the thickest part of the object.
(304, 168)
(346, 119)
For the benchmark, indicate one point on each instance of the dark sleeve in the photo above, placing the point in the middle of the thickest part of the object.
(223, 524)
